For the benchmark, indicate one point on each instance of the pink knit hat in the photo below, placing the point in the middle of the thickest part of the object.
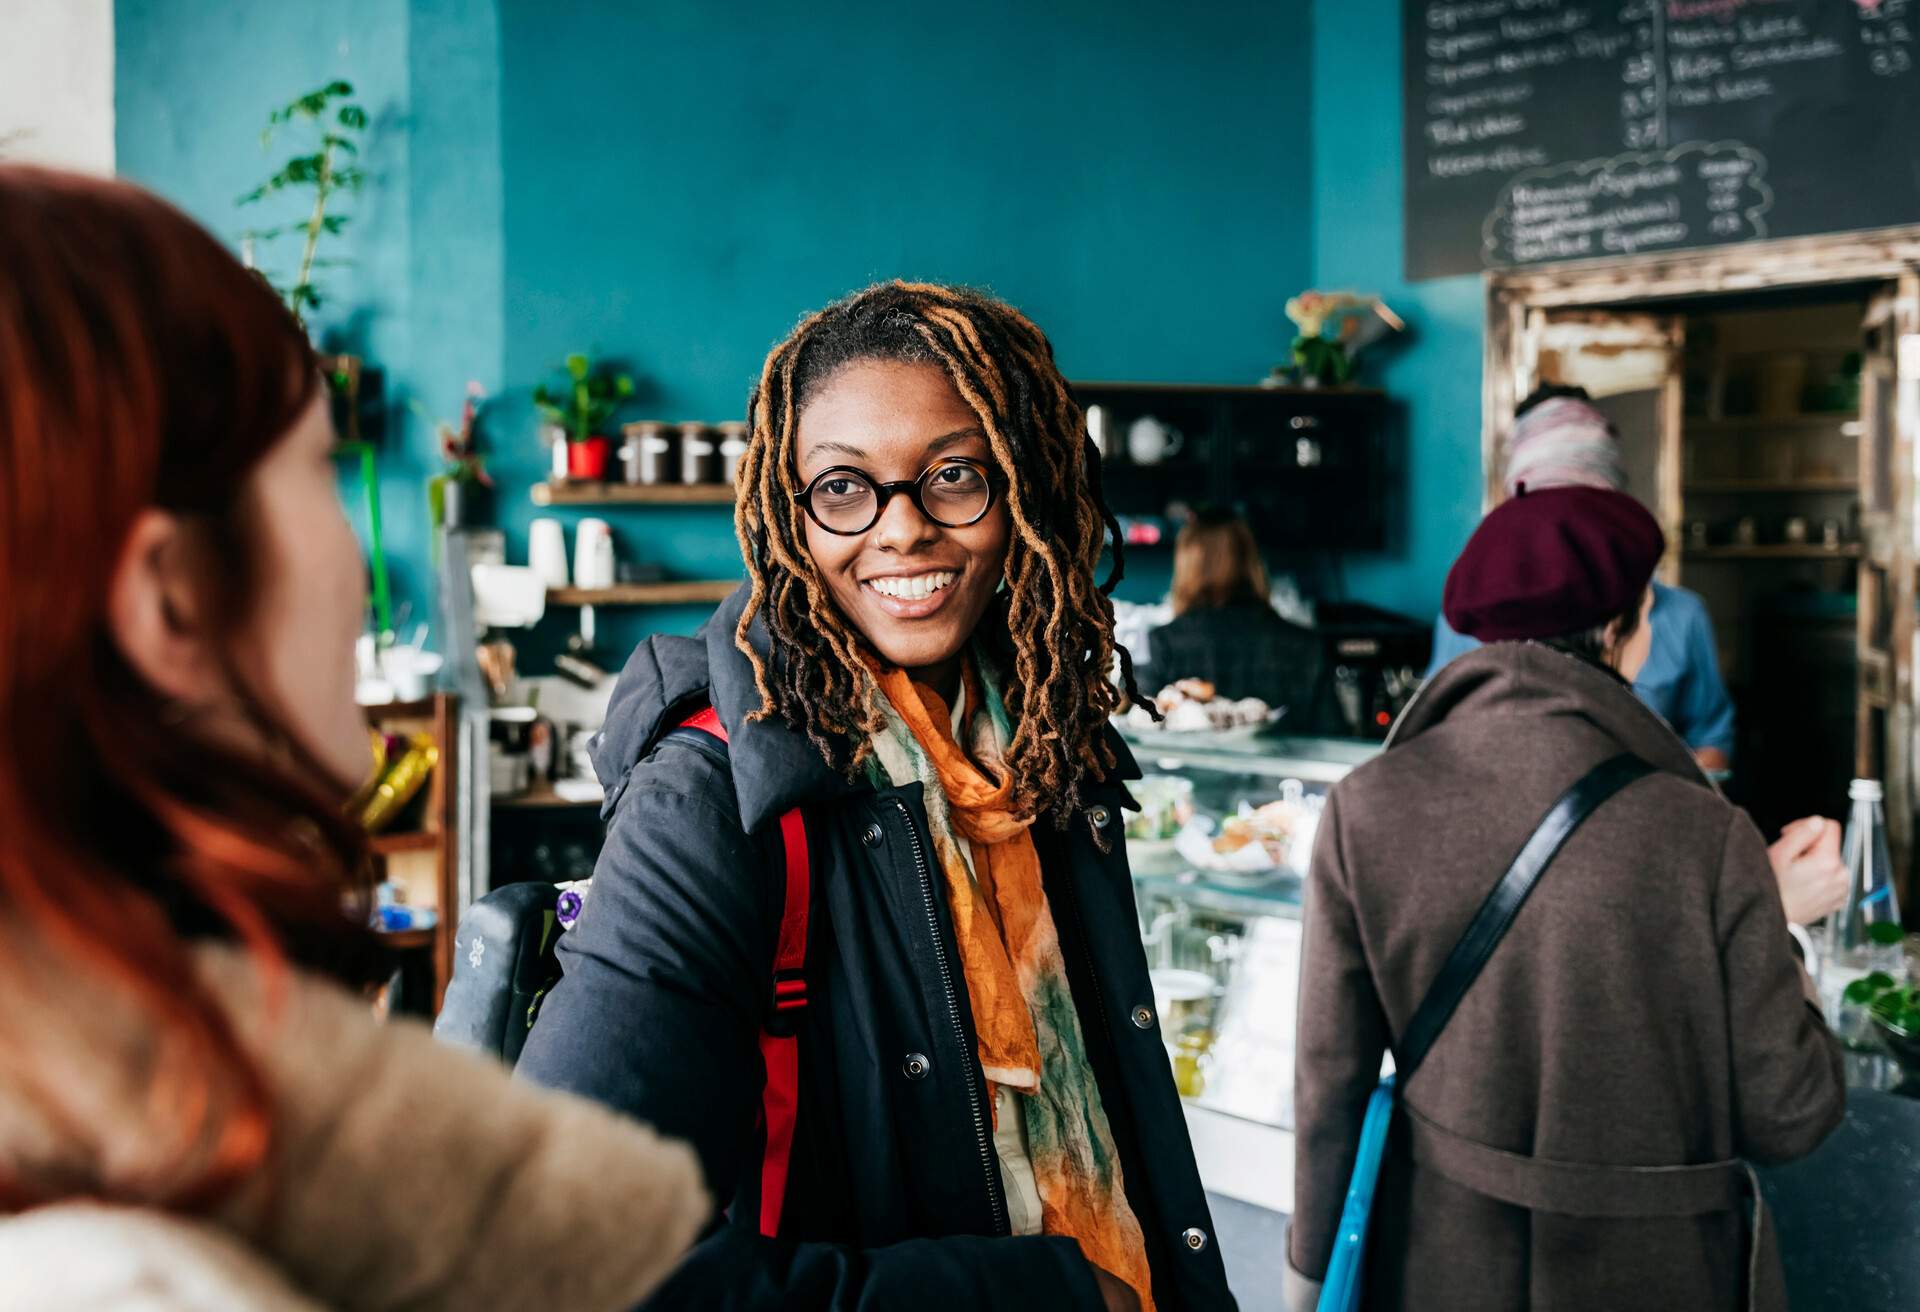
(1563, 442)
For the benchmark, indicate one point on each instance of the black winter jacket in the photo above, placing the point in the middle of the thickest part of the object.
(894, 1194)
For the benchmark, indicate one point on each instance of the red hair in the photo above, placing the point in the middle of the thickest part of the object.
(141, 367)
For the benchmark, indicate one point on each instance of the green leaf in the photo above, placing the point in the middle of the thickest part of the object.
(352, 116)
(338, 88)
(340, 143)
(1859, 992)
(1885, 932)
(623, 385)
(333, 223)
(577, 366)
(1908, 1022)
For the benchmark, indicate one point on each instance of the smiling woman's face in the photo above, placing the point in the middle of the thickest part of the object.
(915, 589)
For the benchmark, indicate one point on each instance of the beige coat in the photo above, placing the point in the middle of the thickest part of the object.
(1644, 1010)
(413, 1175)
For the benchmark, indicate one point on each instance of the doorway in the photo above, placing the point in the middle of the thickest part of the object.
(1770, 430)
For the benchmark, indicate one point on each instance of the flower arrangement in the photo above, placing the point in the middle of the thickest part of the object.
(1326, 358)
(465, 469)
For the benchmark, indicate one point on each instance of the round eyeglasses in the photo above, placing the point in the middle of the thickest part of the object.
(951, 493)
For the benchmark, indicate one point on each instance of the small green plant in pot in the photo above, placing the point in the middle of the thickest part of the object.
(457, 496)
(583, 401)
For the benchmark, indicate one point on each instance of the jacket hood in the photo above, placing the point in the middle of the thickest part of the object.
(669, 677)
(774, 767)
(1531, 679)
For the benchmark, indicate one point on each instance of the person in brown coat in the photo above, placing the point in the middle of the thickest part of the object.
(1644, 1012)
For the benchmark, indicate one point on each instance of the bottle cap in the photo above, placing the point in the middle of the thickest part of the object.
(1865, 790)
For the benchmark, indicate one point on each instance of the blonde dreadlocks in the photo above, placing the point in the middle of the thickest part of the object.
(1053, 624)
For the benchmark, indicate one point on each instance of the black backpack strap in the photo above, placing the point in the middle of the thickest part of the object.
(1490, 923)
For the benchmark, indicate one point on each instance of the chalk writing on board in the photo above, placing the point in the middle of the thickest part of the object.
(1627, 204)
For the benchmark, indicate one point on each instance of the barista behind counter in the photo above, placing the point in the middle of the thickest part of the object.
(1224, 629)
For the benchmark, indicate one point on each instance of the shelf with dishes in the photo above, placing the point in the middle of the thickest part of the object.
(635, 494)
(674, 593)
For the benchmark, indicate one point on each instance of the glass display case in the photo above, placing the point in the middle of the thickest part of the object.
(1219, 853)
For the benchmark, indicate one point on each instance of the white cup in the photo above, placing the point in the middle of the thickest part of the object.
(1149, 440)
(547, 552)
(593, 554)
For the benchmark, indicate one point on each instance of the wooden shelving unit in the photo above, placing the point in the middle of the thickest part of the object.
(1770, 423)
(622, 494)
(423, 859)
(683, 593)
(1777, 551)
(542, 798)
(1707, 487)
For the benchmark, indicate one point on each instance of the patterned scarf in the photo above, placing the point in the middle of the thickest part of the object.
(1029, 1033)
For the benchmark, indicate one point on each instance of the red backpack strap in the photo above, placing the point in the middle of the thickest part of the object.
(779, 1046)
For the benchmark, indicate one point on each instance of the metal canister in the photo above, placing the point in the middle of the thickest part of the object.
(648, 453)
(733, 448)
(699, 458)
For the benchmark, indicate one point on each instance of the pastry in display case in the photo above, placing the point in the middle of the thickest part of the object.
(1219, 853)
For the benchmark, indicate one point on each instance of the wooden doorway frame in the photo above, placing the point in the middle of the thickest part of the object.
(1891, 530)
(1883, 254)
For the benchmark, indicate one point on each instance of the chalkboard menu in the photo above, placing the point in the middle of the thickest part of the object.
(1543, 130)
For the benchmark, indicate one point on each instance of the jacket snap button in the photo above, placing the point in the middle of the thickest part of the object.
(871, 836)
(1143, 1018)
(1100, 816)
(917, 1066)
(1194, 1238)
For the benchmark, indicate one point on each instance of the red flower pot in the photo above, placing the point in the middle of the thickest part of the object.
(587, 461)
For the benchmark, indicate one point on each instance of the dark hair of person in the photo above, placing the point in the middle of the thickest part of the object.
(145, 368)
(1217, 563)
(1053, 621)
(1594, 645)
(1552, 392)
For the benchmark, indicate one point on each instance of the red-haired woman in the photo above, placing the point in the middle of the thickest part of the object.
(194, 1112)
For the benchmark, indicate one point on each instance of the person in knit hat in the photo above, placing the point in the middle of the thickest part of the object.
(1560, 440)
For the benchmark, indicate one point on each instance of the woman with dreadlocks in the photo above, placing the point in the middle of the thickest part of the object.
(928, 1070)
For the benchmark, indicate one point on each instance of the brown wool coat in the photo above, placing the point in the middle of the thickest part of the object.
(1645, 1008)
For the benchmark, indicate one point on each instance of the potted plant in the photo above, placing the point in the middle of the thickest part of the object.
(1326, 359)
(328, 172)
(584, 400)
(458, 496)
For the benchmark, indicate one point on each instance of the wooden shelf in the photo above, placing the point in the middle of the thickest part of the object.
(377, 711)
(393, 844)
(1710, 486)
(542, 798)
(687, 593)
(622, 494)
(1777, 551)
(1756, 423)
(404, 940)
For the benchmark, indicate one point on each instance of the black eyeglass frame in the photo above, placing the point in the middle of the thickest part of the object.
(913, 487)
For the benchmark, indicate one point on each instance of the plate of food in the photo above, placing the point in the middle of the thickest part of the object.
(1276, 837)
(1193, 710)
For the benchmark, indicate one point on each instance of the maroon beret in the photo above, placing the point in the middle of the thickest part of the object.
(1553, 562)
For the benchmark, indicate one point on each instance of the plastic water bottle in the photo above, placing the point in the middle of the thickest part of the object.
(1864, 935)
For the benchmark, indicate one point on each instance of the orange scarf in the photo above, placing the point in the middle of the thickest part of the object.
(1028, 1030)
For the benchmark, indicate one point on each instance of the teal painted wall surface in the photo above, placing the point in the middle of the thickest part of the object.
(674, 184)
(685, 180)
(1434, 375)
(420, 293)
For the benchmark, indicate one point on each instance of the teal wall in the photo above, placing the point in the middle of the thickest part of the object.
(673, 184)
(1434, 376)
(421, 292)
(1135, 179)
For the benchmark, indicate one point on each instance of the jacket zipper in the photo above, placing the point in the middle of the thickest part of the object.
(995, 1201)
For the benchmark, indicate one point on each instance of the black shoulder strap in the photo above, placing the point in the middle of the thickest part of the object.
(1490, 923)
